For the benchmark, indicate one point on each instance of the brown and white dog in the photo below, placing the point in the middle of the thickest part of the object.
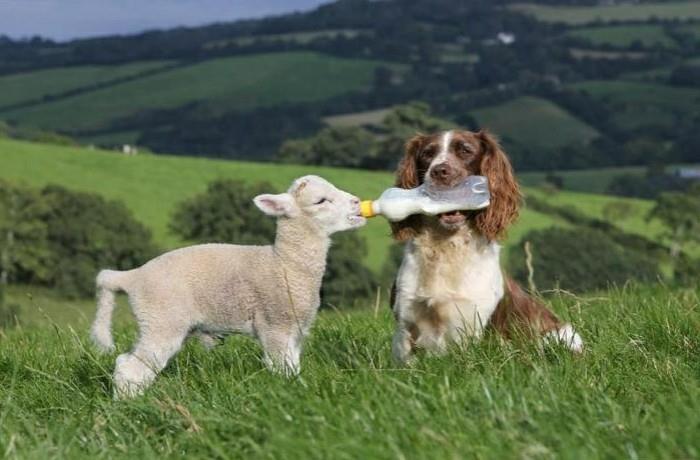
(450, 285)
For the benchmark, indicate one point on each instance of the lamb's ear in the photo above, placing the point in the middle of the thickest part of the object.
(276, 205)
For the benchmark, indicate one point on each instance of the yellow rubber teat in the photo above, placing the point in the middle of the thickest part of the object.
(366, 209)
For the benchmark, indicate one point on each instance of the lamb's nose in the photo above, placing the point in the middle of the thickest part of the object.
(441, 171)
(355, 201)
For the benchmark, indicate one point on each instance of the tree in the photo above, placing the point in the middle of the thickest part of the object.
(680, 212)
(225, 213)
(347, 280)
(579, 260)
(401, 124)
(24, 252)
(85, 233)
(333, 146)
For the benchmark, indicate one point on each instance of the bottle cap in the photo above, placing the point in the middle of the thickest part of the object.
(366, 209)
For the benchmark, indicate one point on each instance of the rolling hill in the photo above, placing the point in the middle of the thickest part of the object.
(44, 85)
(219, 90)
(625, 36)
(624, 13)
(535, 122)
(232, 83)
(639, 104)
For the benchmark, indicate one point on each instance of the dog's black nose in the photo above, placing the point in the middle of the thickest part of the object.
(441, 172)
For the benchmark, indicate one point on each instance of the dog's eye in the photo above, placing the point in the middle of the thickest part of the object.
(321, 201)
(464, 149)
(428, 152)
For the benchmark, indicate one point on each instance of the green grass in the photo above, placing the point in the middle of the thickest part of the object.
(301, 38)
(625, 36)
(152, 185)
(535, 122)
(582, 180)
(366, 118)
(692, 29)
(588, 14)
(234, 83)
(579, 53)
(33, 86)
(634, 393)
(112, 138)
(638, 104)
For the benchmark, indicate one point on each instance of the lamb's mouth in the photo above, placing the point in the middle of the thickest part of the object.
(356, 220)
(452, 219)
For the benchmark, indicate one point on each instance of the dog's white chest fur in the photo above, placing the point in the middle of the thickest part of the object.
(449, 288)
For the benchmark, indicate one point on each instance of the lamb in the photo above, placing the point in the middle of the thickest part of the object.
(271, 293)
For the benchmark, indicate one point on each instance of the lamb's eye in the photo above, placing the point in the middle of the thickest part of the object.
(321, 201)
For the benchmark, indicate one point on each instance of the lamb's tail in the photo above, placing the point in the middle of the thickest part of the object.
(108, 283)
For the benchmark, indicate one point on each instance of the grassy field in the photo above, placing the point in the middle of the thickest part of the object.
(582, 180)
(637, 104)
(367, 118)
(33, 86)
(625, 36)
(634, 393)
(693, 29)
(152, 185)
(300, 38)
(629, 12)
(235, 83)
(534, 122)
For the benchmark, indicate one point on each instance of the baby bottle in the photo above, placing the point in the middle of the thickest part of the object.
(397, 203)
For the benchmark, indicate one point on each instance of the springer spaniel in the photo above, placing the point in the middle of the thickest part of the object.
(450, 284)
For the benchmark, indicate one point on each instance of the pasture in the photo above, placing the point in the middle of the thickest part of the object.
(42, 84)
(576, 15)
(638, 104)
(535, 122)
(152, 185)
(300, 38)
(233, 83)
(634, 393)
(625, 36)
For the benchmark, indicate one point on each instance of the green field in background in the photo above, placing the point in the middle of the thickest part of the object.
(534, 122)
(33, 86)
(624, 36)
(630, 12)
(229, 84)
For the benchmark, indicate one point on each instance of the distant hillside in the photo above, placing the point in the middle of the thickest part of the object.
(587, 80)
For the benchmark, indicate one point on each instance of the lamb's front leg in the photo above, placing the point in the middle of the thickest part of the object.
(282, 352)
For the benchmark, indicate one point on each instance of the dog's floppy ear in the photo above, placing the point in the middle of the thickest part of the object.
(493, 221)
(407, 177)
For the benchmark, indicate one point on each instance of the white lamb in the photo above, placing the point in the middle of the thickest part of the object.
(268, 292)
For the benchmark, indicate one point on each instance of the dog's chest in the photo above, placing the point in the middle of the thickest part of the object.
(458, 278)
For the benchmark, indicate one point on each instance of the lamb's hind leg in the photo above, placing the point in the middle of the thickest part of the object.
(135, 371)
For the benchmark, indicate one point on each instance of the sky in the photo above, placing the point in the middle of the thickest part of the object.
(63, 20)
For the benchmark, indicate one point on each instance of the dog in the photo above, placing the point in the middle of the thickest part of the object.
(450, 285)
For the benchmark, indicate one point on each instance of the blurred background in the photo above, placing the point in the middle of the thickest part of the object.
(128, 128)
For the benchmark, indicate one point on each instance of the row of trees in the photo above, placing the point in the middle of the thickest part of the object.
(59, 238)
(359, 147)
(595, 254)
